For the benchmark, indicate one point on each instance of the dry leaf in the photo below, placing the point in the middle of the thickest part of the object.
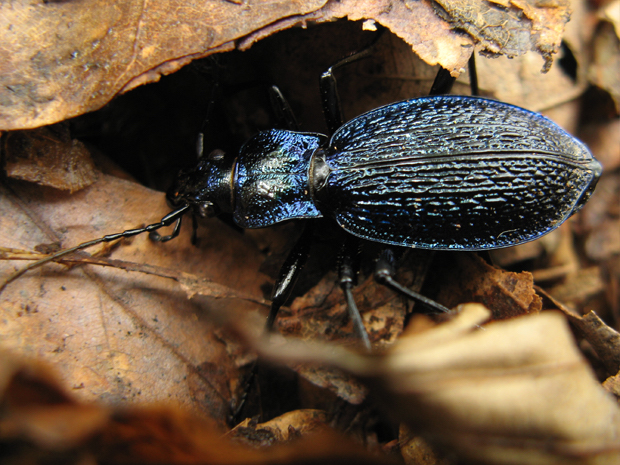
(471, 279)
(281, 429)
(499, 26)
(118, 336)
(41, 422)
(68, 58)
(604, 69)
(62, 59)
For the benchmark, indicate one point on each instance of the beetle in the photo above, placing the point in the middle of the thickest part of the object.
(441, 172)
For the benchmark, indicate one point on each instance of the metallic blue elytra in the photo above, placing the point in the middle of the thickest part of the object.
(439, 172)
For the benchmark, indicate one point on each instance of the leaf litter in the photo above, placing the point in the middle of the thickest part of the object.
(120, 337)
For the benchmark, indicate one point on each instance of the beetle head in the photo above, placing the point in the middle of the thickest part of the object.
(206, 187)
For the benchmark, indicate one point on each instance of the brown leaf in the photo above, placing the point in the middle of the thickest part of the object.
(417, 451)
(36, 407)
(119, 336)
(603, 71)
(499, 28)
(471, 279)
(281, 429)
(40, 422)
(604, 340)
(68, 58)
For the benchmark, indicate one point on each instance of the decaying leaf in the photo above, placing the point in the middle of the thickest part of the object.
(281, 429)
(512, 392)
(471, 279)
(604, 340)
(510, 28)
(604, 70)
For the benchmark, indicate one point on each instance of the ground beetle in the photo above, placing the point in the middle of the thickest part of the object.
(440, 172)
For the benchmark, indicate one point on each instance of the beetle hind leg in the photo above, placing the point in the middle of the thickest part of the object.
(384, 274)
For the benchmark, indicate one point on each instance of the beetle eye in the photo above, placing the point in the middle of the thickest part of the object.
(205, 210)
(216, 155)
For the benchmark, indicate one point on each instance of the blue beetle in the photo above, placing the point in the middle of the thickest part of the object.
(440, 172)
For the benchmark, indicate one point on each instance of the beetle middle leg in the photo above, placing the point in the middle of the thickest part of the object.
(347, 276)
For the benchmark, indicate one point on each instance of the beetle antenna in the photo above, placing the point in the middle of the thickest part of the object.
(167, 220)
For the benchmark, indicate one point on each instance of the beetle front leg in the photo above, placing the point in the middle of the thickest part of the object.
(284, 113)
(282, 289)
(289, 273)
(384, 274)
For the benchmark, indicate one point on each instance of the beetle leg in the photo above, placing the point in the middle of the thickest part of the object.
(332, 109)
(290, 272)
(155, 236)
(282, 289)
(347, 273)
(443, 83)
(473, 75)
(444, 80)
(284, 112)
(194, 231)
(384, 274)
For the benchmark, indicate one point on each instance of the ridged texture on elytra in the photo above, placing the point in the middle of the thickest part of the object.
(454, 173)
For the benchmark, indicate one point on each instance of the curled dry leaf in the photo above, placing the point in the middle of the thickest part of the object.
(604, 69)
(62, 59)
(604, 339)
(513, 392)
(500, 29)
(284, 428)
(35, 407)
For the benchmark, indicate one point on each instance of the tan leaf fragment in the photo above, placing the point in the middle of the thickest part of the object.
(603, 71)
(62, 59)
(471, 279)
(41, 422)
(50, 157)
(283, 428)
(511, 29)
